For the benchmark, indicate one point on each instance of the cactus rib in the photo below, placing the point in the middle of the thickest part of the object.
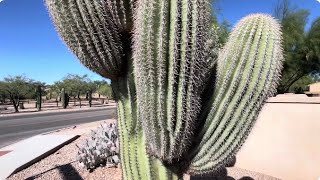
(237, 111)
(92, 34)
(170, 75)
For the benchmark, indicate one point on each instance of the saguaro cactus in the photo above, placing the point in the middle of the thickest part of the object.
(64, 98)
(248, 70)
(90, 98)
(39, 97)
(183, 107)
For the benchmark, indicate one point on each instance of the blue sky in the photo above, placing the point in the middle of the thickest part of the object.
(29, 45)
(234, 10)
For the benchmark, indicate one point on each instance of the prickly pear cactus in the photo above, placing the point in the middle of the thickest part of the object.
(184, 106)
(102, 147)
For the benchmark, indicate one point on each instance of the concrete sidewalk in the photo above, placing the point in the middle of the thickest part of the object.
(15, 157)
(24, 153)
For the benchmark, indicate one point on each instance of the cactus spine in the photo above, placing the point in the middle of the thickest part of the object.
(182, 106)
(248, 69)
(94, 31)
(171, 67)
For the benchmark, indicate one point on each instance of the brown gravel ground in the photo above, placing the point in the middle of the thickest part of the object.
(62, 165)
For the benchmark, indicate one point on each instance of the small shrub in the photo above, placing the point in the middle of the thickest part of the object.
(101, 148)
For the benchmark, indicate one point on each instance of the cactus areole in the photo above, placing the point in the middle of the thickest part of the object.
(184, 106)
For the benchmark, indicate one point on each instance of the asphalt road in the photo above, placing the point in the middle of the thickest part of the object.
(15, 128)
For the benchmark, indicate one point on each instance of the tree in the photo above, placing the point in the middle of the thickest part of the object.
(302, 56)
(17, 88)
(301, 85)
(74, 85)
(222, 29)
(105, 90)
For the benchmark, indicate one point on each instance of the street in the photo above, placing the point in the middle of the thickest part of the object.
(15, 128)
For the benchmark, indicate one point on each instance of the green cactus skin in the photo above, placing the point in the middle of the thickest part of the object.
(94, 31)
(182, 106)
(248, 70)
(171, 65)
(136, 163)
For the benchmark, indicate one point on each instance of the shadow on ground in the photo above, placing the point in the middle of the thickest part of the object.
(220, 175)
(67, 171)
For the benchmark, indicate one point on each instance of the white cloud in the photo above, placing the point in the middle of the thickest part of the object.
(318, 1)
(2, 0)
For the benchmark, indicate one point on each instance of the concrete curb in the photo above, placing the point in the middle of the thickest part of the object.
(18, 159)
(58, 130)
(294, 99)
(46, 112)
(48, 153)
(291, 102)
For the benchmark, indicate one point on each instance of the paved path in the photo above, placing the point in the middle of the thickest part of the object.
(23, 154)
(15, 128)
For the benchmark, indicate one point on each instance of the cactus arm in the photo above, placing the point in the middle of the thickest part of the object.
(165, 93)
(226, 73)
(85, 23)
(103, 39)
(71, 35)
(91, 33)
(257, 69)
(195, 23)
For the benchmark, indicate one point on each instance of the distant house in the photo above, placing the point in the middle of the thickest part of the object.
(314, 89)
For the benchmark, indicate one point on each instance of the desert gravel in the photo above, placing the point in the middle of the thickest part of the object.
(62, 165)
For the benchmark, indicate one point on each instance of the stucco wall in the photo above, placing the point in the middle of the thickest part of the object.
(314, 88)
(285, 142)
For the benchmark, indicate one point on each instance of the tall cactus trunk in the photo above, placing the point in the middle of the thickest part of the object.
(39, 98)
(90, 99)
(14, 103)
(64, 98)
(136, 163)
